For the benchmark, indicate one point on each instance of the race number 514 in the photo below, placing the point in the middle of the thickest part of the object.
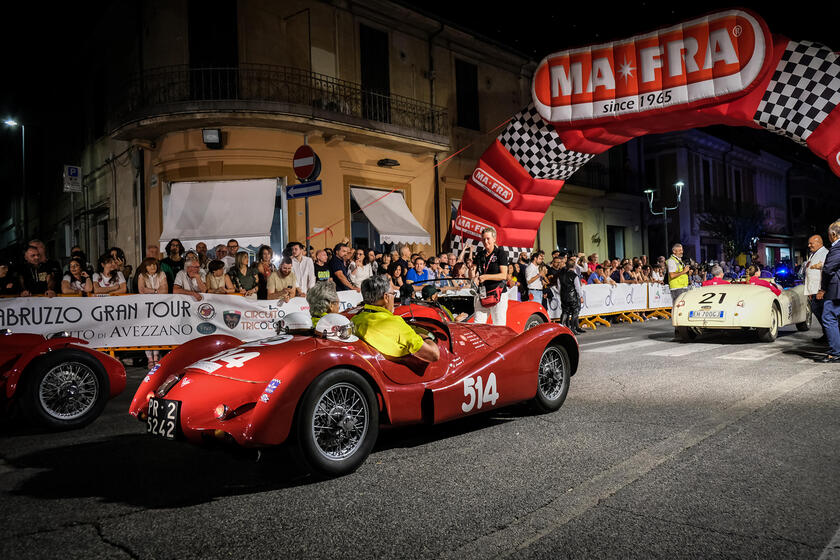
(477, 392)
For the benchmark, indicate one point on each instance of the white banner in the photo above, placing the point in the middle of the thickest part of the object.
(659, 295)
(602, 299)
(151, 320)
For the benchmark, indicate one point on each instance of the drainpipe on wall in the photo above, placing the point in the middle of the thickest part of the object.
(432, 79)
(141, 177)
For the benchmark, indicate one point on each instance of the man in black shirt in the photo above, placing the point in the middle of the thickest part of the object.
(338, 269)
(491, 266)
(36, 278)
(52, 266)
(405, 260)
(558, 264)
(322, 269)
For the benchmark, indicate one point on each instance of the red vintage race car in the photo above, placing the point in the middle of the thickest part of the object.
(59, 382)
(327, 396)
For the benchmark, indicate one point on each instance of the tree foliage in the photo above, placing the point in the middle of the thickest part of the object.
(735, 228)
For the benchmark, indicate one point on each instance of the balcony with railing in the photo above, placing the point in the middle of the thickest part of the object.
(163, 99)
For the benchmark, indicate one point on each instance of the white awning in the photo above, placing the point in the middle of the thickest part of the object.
(215, 211)
(390, 216)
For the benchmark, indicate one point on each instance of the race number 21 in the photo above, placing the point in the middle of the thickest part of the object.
(477, 392)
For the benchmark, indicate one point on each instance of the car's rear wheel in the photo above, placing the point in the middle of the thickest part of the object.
(686, 333)
(337, 423)
(552, 378)
(770, 334)
(806, 324)
(534, 320)
(65, 389)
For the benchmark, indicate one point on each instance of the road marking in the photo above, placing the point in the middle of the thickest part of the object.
(751, 354)
(685, 349)
(509, 541)
(832, 549)
(625, 347)
(604, 341)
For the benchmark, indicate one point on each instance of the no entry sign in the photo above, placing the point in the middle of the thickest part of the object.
(306, 164)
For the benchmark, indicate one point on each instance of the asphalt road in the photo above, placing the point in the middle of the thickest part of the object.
(722, 448)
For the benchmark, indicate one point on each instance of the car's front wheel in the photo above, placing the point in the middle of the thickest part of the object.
(552, 378)
(65, 389)
(337, 423)
(770, 334)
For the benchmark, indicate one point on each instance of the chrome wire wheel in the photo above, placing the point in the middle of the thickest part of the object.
(552, 374)
(340, 421)
(68, 391)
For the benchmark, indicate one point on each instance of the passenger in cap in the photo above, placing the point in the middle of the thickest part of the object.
(430, 293)
(377, 325)
(322, 299)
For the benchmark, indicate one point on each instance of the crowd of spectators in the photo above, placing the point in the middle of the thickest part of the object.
(226, 269)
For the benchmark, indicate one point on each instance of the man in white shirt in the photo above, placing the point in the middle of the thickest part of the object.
(533, 278)
(189, 281)
(303, 267)
(813, 275)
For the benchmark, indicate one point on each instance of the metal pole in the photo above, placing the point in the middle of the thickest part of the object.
(23, 178)
(72, 222)
(306, 199)
(667, 248)
(306, 235)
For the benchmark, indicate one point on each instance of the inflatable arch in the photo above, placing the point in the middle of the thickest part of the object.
(723, 68)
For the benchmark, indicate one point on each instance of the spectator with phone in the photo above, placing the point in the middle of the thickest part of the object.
(77, 281)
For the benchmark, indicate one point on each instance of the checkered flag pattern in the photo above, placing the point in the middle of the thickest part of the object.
(803, 91)
(537, 147)
(458, 243)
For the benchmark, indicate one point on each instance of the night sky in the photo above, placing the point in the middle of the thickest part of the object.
(43, 86)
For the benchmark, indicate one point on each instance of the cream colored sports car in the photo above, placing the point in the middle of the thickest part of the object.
(740, 306)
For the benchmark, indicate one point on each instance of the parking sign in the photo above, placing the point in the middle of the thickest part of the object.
(72, 178)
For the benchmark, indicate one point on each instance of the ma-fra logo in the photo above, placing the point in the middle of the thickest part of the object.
(705, 60)
(490, 184)
(470, 226)
(232, 318)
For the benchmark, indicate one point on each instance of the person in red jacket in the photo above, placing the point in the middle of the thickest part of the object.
(754, 273)
(717, 277)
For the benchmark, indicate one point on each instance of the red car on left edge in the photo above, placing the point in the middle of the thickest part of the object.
(58, 382)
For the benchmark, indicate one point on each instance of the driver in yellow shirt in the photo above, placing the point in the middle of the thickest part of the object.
(377, 325)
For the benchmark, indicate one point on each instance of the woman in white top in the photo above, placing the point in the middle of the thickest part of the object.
(108, 279)
(216, 280)
(359, 268)
(151, 280)
(77, 281)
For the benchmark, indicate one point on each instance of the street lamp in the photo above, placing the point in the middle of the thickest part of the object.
(678, 186)
(12, 123)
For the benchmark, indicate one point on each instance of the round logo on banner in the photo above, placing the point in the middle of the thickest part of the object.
(206, 311)
(206, 328)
